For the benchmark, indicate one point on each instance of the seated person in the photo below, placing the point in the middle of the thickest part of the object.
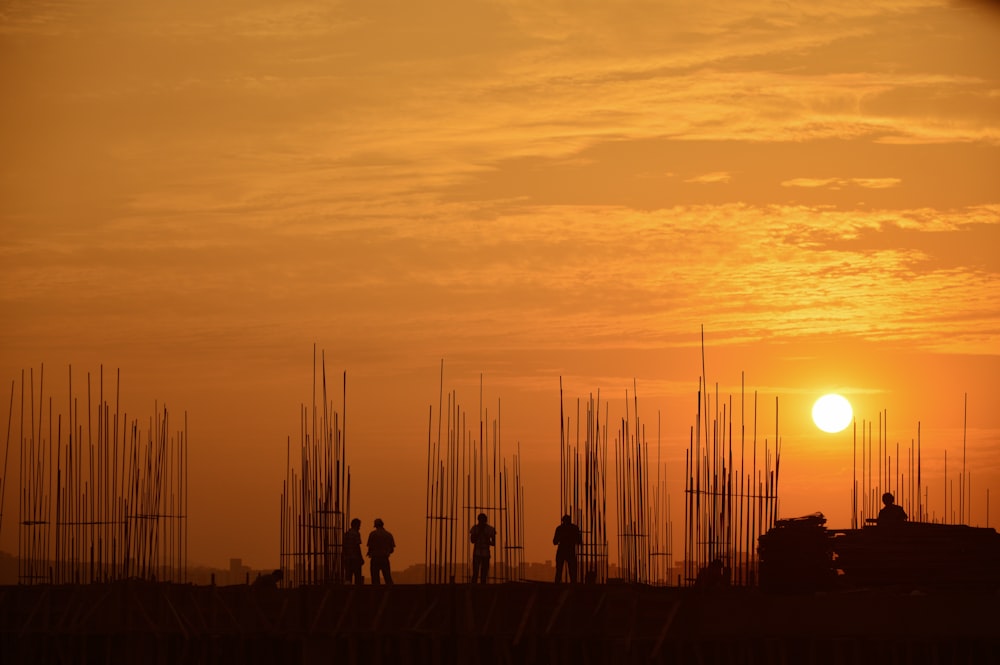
(891, 514)
(268, 581)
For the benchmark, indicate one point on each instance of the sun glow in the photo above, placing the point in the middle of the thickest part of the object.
(832, 413)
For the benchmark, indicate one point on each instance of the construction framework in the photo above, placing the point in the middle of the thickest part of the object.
(726, 506)
(644, 523)
(583, 478)
(880, 468)
(642, 507)
(316, 497)
(468, 475)
(100, 499)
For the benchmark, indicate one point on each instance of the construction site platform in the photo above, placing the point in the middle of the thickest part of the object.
(513, 623)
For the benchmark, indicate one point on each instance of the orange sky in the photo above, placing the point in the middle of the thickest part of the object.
(198, 195)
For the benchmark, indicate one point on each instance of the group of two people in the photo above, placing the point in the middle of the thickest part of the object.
(566, 539)
(380, 545)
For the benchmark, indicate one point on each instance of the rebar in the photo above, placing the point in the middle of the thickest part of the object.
(468, 475)
(315, 496)
(85, 518)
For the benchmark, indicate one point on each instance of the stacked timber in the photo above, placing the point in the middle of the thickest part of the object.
(796, 556)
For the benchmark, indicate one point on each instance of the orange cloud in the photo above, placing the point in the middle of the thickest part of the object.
(839, 183)
(709, 178)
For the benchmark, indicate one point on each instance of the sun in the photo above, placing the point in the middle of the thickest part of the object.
(832, 413)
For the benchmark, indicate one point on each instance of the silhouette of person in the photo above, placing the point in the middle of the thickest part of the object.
(269, 580)
(566, 539)
(483, 537)
(380, 545)
(891, 514)
(353, 561)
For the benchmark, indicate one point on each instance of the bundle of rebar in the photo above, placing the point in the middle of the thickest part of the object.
(315, 497)
(467, 476)
(635, 512)
(641, 500)
(583, 483)
(100, 500)
(661, 525)
(727, 508)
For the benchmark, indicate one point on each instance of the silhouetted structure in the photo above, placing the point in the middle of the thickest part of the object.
(796, 555)
(495, 624)
(801, 555)
(583, 483)
(6, 455)
(467, 476)
(881, 469)
(643, 520)
(100, 499)
(315, 500)
(727, 508)
(636, 512)
(919, 555)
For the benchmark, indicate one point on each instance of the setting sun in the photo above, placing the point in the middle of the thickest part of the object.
(832, 413)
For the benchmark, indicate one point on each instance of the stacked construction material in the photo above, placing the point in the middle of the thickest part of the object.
(796, 556)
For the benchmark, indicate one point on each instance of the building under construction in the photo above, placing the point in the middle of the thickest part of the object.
(103, 510)
(731, 491)
(640, 502)
(316, 493)
(467, 475)
(926, 550)
(101, 498)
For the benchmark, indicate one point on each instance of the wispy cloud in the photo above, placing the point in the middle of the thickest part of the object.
(711, 178)
(494, 158)
(840, 183)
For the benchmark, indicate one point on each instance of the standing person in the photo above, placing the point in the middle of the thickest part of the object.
(567, 537)
(353, 561)
(380, 545)
(483, 537)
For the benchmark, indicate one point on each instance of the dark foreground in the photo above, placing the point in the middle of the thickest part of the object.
(510, 623)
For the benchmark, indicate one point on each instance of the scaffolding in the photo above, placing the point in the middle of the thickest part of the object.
(583, 483)
(315, 497)
(100, 499)
(635, 511)
(468, 475)
(727, 508)
(641, 502)
(878, 470)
